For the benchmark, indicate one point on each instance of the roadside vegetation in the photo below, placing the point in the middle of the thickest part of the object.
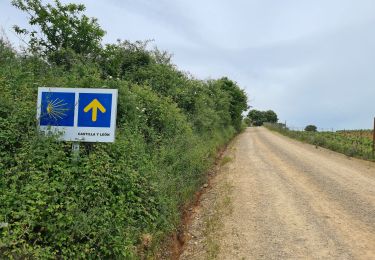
(121, 199)
(354, 143)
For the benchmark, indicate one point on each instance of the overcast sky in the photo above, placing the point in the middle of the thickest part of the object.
(311, 61)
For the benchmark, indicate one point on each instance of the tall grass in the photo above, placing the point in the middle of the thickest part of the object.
(356, 144)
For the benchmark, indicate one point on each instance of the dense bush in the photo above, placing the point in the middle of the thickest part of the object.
(169, 127)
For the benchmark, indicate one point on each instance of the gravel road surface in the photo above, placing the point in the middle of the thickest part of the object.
(291, 200)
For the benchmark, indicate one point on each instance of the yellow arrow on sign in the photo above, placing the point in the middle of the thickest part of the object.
(94, 106)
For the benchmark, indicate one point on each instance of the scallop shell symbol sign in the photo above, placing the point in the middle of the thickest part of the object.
(78, 114)
(57, 109)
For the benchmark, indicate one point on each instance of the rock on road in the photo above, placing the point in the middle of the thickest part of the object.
(293, 201)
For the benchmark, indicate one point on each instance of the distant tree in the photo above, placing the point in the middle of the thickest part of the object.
(259, 117)
(59, 28)
(311, 128)
(270, 117)
(256, 117)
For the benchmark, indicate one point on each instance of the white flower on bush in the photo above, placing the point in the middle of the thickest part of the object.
(4, 224)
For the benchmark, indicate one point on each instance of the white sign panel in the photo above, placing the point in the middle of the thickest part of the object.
(78, 114)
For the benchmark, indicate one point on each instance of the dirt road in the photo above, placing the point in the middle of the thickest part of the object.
(288, 200)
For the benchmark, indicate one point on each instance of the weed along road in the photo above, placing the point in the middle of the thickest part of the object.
(288, 200)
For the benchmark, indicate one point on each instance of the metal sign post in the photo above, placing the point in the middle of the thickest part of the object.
(75, 151)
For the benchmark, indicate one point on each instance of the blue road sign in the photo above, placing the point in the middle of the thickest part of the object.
(94, 110)
(57, 109)
(78, 114)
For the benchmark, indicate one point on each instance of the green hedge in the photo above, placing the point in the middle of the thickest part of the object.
(169, 127)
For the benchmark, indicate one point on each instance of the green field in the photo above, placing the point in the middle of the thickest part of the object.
(353, 143)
